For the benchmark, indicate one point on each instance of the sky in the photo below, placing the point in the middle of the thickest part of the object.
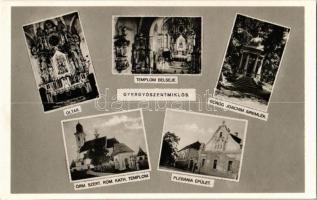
(192, 127)
(126, 127)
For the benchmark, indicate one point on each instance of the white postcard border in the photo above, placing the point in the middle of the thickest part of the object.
(310, 102)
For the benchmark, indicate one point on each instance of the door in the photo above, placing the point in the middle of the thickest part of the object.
(214, 164)
(191, 163)
(126, 161)
(230, 166)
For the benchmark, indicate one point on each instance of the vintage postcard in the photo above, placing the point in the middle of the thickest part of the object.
(198, 144)
(251, 63)
(60, 61)
(157, 45)
(105, 145)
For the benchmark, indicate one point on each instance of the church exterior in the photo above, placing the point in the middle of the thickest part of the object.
(123, 157)
(118, 157)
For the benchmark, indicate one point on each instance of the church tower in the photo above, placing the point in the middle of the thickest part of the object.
(80, 137)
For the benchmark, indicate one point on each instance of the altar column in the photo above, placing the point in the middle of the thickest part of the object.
(258, 74)
(241, 61)
(254, 66)
(151, 47)
(246, 65)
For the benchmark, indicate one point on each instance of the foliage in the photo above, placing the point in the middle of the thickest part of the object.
(73, 164)
(97, 154)
(169, 149)
(271, 36)
(181, 164)
(143, 164)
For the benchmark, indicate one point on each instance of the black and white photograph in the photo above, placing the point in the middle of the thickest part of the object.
(60, 60)
(202, 145)
(251, 63)
(157, 45)
(105, 145)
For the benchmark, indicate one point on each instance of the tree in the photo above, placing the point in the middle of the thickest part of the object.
(73, 164)
(97, 154)
(169, 149)
(273, 37)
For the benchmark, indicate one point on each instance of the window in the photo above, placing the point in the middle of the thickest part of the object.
(230, 166)
(203, 162)
(215, 164)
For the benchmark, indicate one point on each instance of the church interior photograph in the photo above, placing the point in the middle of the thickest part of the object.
(61, 62)
(157, 45)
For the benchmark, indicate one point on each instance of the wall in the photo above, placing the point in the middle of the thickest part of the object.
(222, 165)
(121, 158)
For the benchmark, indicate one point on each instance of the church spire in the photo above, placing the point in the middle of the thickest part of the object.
(80, 137)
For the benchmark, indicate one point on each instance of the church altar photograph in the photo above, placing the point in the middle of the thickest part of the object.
(251, 63)
(105, 145)
(60, 60)
(202, 144)
(157, 45)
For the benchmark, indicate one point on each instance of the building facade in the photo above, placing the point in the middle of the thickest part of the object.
(221, 155)
(188, 157)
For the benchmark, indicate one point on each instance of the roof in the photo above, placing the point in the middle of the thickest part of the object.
(141, 152)
(236, 138)
(99, 142)
(121, 148)
(195, 145)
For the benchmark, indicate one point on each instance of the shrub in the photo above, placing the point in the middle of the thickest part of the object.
(181, 164)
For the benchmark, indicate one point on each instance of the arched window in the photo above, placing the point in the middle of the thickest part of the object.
(155, 28)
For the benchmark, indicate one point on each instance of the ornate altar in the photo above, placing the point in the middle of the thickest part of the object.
(182, 33)
(61, 64)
